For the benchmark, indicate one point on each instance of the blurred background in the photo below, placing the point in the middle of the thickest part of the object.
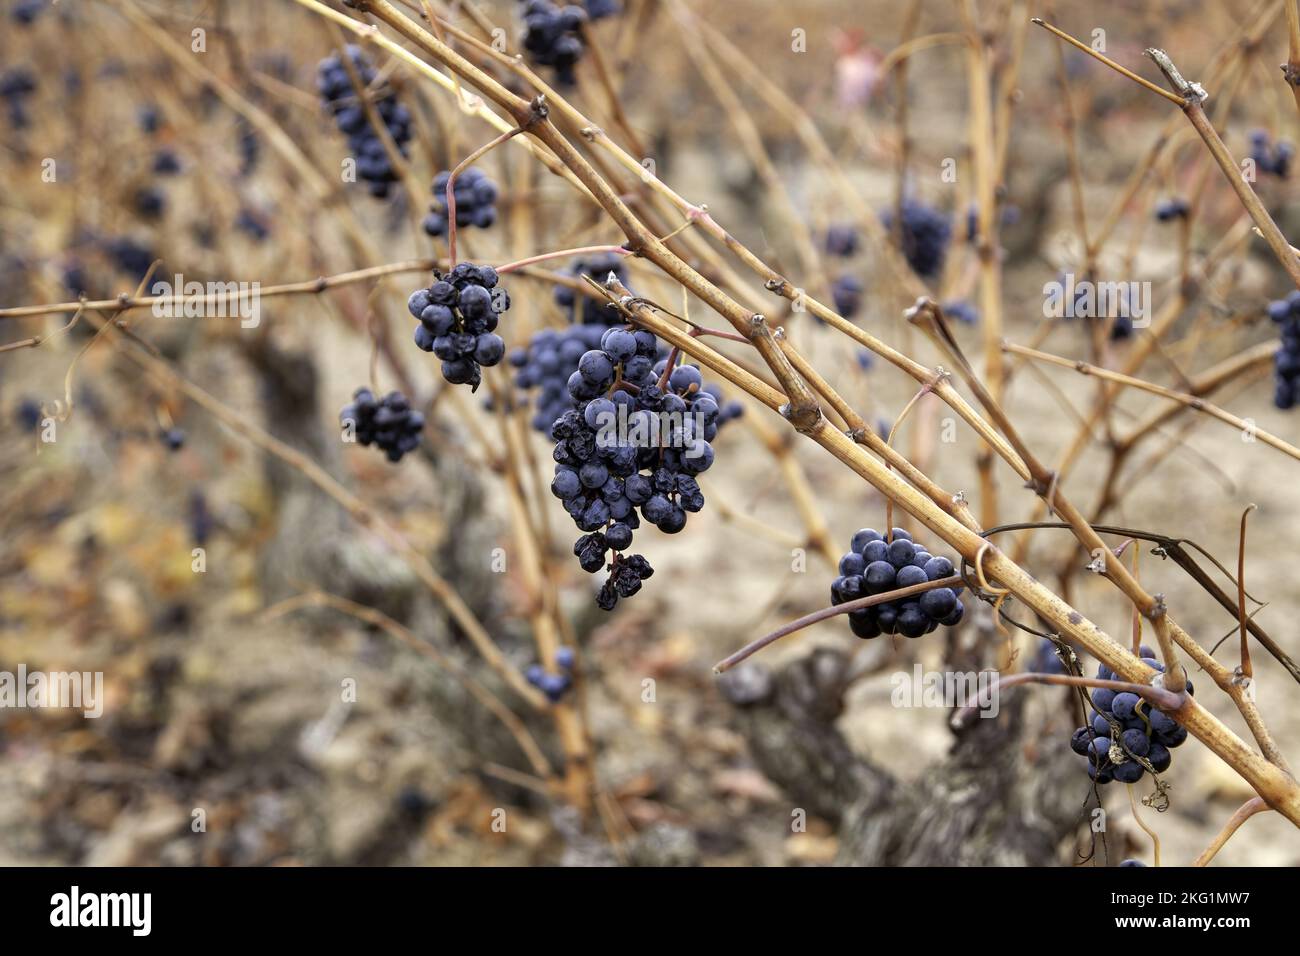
(246, 724)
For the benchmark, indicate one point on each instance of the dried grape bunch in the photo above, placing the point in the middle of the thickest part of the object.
(16, 85)
(593, 311)
(552, 35)
(475, 196)
(841, 240)
(340, 100)
(556, 685)
(846, 295)
(1125, 728)
(925, 233)
(1167, 210)
(875, 565)
(458, 314)
(1286, 361)
(1270, 157)
(630, 447)
(389, 422)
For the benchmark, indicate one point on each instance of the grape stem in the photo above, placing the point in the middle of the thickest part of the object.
(1247, 810)
(449, 194)
(1246, 671)
(827, 612)
(562, 254)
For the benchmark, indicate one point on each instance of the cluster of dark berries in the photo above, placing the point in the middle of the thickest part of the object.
(841, 240)
(1170, 209)
(25, 12)
(252, 223)
(1126, 733)
(552, 34)
(875, 565)
(458, 315)
(962, 311)
(75, 278)
(1286, 361)
(1122, 328)
(149, 118)
(29, 414)
(594, 311)
(341, 101)
(545, 366)
(1047, 659)
(388, 422)
(636, 437)
(166, 162)
(846, 295)
(924, 235)
(149, 201)
(475, 195)
(128, 255)
(250, 147)
(551, 358)
(16, 85)
(600, 9)
(1270, 157)
(553, 686)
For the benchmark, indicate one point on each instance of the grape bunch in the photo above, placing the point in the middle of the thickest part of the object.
(876, 564)
(551, 357)
(25, 12)
(388, 422)
(544, 368)
(594, 311)
(552, 34)
(16, 85)
(553, 686)
(1173, 208)
(1272, 158)
(1286, 361)
(149, 201)
(1126, 730)
(600, 9)
(166, 162)
(252, 223)
(925, 233)
(962, 311)
(128, 255)
(475, 195)
(149, 118)
(635, 437)
(340, 100)
(841, 240)
(458, 314)
(846, 294)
